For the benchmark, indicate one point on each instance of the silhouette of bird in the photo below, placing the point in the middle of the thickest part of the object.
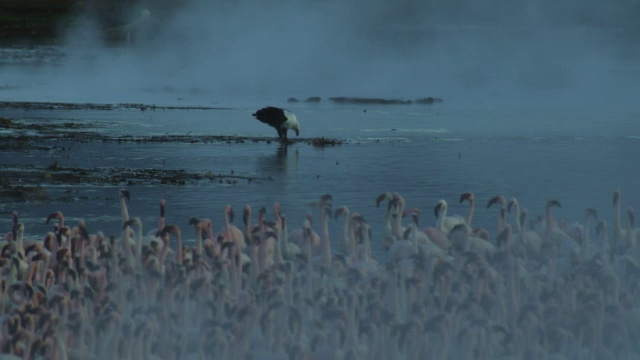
(280, 119)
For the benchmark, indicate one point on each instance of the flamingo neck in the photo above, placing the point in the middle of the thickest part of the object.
(440, 221)
(618, 222)
(345, 236)
(227, 226)
(247, 229)
(472, 205)
(198, 239)
(517, 214)
(138, 246)
(326, 244)
(550, 224)
(178, 246)
(397, 224)
(123, 210)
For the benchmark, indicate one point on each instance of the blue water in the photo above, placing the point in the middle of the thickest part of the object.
(426, 153)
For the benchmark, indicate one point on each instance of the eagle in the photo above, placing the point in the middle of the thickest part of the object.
(281, 119)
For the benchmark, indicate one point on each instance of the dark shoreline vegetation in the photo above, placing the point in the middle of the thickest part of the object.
(20, 182)
(37, 21)
(47, 22)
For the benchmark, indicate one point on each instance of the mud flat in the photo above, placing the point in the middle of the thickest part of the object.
(36, 105)
(28, 142)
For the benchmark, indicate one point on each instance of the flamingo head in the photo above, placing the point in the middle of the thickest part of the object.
(246, 214)
(468, 196)
(551, 203)
(497, 199)
(56, 215)
(382, 197)
(343, 210)
(229, 211)
(440, 206)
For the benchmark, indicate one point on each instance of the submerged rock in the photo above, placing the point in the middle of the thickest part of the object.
(313, 99)
(380, 101)
(428, 100)
(322, 142)
(368, 101)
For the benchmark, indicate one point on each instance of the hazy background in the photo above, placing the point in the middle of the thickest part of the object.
(561, 53)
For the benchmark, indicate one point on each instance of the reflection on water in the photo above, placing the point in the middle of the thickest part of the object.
(283, 161)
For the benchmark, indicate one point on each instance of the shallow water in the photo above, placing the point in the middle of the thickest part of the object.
(425, 153)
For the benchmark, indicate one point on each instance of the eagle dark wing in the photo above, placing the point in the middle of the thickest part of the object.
(271, 115)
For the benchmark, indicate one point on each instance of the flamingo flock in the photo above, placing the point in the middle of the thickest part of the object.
(539, 288)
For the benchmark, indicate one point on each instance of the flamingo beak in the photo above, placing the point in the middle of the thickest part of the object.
(466, 196)
(436, 210)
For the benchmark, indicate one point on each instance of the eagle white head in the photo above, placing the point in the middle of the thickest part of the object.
(292, 122)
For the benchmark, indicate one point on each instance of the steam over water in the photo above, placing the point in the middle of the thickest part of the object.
(540, 52)
(540, 102)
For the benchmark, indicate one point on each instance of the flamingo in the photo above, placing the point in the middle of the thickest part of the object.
(397, 205)
(499, 199)
(586, 239)
(561, 244)
(14, 223)
(246, 218)
(527, 238)
(407, 246)
(436, 234)
(161, 221)
(138, 244)
(124, 212)
(475, 301)
(470, 197)
(210, 245)
(296, 236)
(430, 242)
(230, 232)
(462, 240)
(325, 208)
(445, 223)
(264, 237)
(59, 229)
(348, 242)
(601, 229)
(618, 232)
(277, 226)
(289, 249)
(58, 216)
(530, 239)
(199, 228)
(366, 264)
(630, 233)
(388, 214)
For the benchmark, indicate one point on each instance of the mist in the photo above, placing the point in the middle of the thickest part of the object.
(569, 52)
